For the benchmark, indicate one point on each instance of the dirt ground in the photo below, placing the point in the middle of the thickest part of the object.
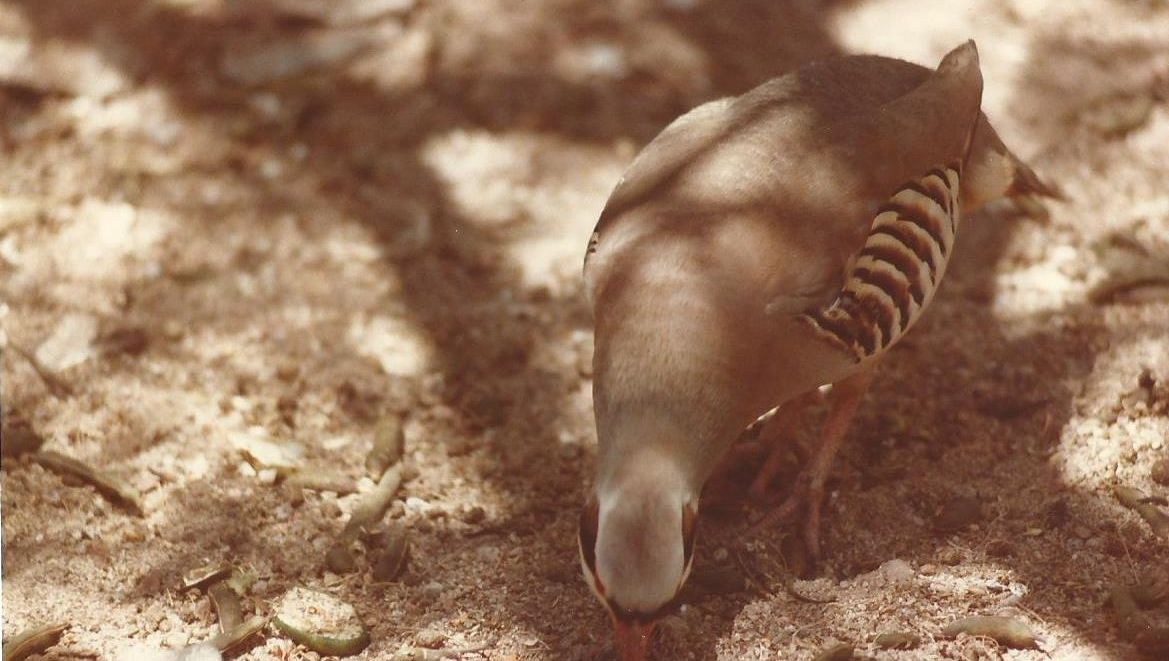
(226, 224)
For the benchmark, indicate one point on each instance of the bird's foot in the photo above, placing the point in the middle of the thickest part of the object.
(780, 441)
(780, 461)
(808, 492)
(806, 497)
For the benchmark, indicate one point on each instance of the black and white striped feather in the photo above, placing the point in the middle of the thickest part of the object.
(896, 273)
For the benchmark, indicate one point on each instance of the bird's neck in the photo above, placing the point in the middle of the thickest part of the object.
(671, 404)
(647, 468)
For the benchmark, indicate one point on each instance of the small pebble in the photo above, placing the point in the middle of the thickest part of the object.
(293, 494)
(339, 560)
(286, 406)
(897, 571)
(488, 554)
(1160, 472)
(410, 471)
(330, 509)
(473, 515)
(287, 372)
(1000, 548)
(20, 438)
(949, 556)
(433, 590)
(429, 638)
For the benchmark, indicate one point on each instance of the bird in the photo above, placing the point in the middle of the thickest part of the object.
(760, 248)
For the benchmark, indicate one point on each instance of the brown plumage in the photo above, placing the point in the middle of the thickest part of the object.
(758, 248)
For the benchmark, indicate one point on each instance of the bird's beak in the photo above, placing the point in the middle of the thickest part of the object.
(632, 639)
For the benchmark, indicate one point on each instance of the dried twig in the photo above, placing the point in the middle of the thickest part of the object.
(112, 488)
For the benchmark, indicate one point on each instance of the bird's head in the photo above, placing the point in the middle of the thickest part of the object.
(636, 549)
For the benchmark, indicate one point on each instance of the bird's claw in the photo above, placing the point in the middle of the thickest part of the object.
(806, 496)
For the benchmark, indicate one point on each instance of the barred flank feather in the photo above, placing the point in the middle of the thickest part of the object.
(898, 270)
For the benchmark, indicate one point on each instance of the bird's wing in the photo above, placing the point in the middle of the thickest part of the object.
(657, 167)
(894, 276)
(807, 159)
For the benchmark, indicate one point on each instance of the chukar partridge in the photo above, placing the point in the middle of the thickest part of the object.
(760, 247)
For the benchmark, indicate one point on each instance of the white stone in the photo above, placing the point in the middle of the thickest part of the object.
(266, 452)
(488, 553)
(58, 66)
(278, 60)
(70, 344)
(396, 345)
(896, 571)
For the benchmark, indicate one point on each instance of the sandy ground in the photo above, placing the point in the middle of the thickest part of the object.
(224, 223)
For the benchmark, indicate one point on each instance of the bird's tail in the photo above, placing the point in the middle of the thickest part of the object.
(993, 171)
(1025, 182)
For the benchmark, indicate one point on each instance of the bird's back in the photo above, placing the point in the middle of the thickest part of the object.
(804, 160)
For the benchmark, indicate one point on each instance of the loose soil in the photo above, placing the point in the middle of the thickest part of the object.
(224, 223)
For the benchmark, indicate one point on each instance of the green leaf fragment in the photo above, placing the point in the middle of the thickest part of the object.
(321, 622)
(1004, 630)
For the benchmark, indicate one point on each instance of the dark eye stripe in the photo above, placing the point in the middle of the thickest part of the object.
(689, 522)
(587, 536)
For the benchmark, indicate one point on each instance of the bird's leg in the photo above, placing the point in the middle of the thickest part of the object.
(723, 486)
(779, 435)
(767, 437)
(808, 493)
